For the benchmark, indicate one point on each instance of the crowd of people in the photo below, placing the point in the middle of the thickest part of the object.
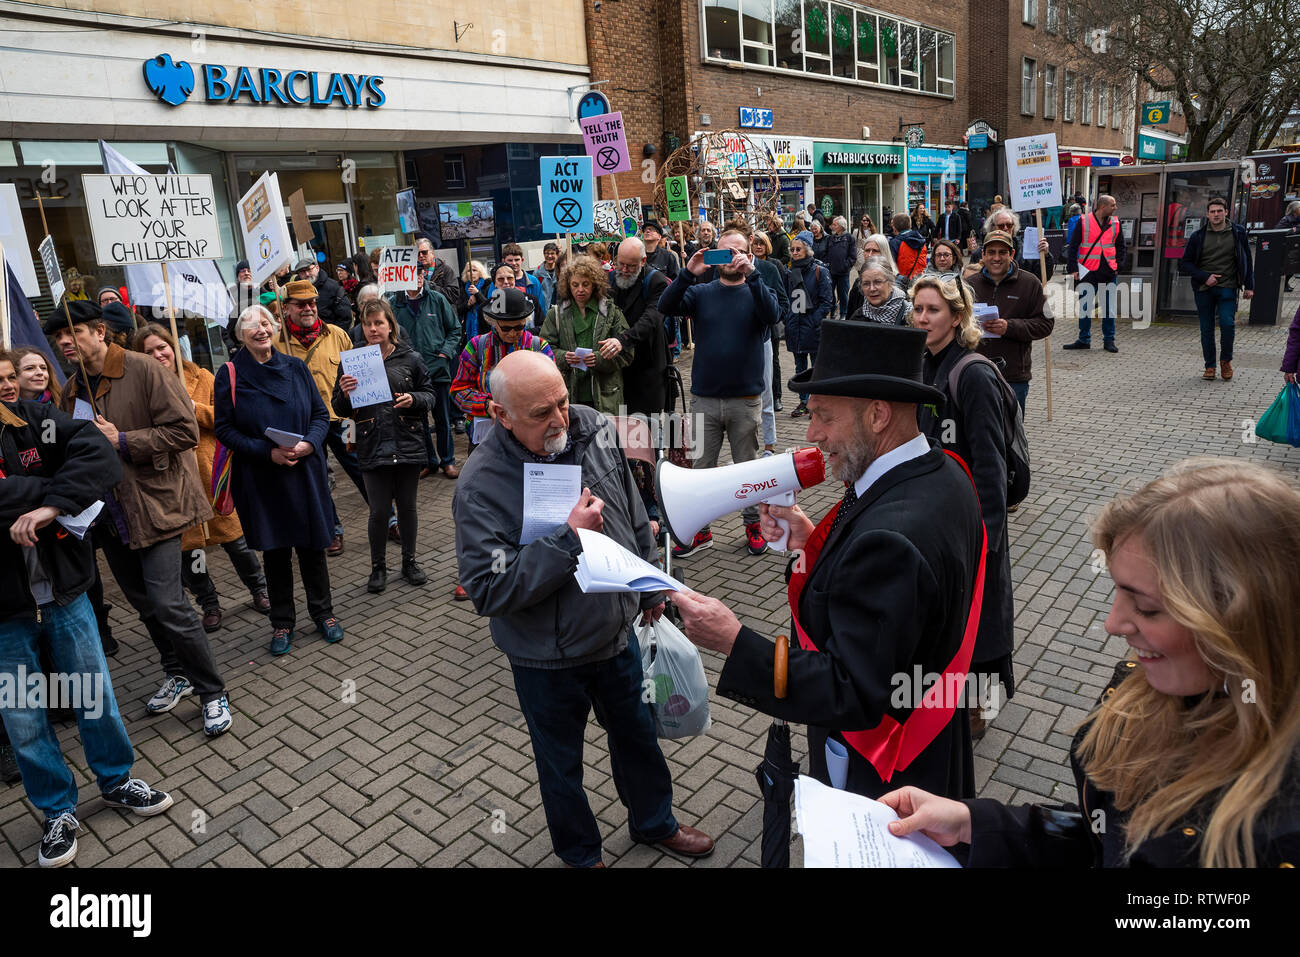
(911, 352)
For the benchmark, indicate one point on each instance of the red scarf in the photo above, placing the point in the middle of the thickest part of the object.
(306, 335)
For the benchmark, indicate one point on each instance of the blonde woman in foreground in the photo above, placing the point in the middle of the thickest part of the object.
(1192, 756)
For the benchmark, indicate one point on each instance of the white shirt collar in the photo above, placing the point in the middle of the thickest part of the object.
(912, 449)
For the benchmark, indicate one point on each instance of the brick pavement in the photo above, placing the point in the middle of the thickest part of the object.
(404, 744)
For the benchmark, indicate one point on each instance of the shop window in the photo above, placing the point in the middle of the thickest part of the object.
(1067, 108)
(868, 44)
(722, 28)
(1085, 115)
(453, 171)
(1049, 92)
(1028, 86)
(843, 57)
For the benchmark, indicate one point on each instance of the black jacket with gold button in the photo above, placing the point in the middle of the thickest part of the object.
(1091, 834)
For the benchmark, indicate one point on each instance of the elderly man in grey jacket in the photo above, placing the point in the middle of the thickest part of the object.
(568, 651)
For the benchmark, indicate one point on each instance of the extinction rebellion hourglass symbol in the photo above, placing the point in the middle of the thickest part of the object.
(568, 213)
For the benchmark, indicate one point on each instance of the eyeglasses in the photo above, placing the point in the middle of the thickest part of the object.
(627, 267)
(874, 283)
(304, 304)
(511, 327)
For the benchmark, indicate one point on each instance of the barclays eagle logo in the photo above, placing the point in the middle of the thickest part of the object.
(173, 82)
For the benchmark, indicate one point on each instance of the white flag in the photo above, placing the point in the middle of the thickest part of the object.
(197, 285)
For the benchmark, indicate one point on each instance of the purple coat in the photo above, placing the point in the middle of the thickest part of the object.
(1291, 358)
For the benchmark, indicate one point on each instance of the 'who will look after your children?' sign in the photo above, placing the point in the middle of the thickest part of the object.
(151, 218)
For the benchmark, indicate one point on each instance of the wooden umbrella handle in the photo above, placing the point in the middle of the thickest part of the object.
(781, 666)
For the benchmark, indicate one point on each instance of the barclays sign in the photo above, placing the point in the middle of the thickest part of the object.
(173, 82)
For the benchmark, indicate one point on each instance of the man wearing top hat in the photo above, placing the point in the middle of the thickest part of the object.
(880, 590)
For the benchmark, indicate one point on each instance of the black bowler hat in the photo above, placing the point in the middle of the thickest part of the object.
(509, 305)
(82, 311)
(868, 360)
(653, 225)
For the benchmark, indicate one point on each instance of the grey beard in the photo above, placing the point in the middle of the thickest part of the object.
(556, 445)
(625, 282)
(854, 461)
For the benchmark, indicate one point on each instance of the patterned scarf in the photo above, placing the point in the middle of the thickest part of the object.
(305, 334)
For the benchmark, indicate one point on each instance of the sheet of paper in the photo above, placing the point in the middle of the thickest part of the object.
(606, 566)
(286, 440)
(550, 492)
(837, 764)
(81, 409)
(582, 353)
(841, 829)
(479, 430)
(985, 311)
(366, 365)
(1029, 244)
(77, 524)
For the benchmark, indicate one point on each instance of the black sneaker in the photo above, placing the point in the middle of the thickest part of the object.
(1111, 347)
(59, 843)
(378, 579)
(9, 772)
(1077, 345)
(135, 795)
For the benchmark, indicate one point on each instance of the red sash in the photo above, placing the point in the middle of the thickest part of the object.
(891, 746)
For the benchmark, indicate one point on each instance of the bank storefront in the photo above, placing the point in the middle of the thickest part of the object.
(850, 179)
(344, 126)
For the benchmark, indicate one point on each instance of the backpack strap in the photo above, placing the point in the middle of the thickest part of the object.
(954, 374)
(230, 370)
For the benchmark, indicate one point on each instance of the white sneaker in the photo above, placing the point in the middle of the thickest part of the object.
(170, 694)
(216, 717)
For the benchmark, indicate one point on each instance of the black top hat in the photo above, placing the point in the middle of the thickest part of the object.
(868, 360)
(83, 311)
(510, 304)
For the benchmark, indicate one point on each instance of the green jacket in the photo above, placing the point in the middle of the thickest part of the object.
(435, 333)
(607, 383)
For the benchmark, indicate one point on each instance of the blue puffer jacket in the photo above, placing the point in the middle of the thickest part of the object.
(810, 301)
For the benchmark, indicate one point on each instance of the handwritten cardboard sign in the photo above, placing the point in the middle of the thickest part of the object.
(151, 219)
(398, 269)
(366, 365)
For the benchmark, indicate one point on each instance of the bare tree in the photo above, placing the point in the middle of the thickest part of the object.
(1233, 66)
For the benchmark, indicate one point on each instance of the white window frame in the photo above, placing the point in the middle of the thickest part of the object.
(1052, 19)
(1069, 89)
(1115, 99)
(1028, 86)
(447, 181)
(1050, 92)
(1085, 102)
(1103, 105)
(1029, 13)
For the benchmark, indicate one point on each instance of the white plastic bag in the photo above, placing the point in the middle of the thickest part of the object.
(679, 689)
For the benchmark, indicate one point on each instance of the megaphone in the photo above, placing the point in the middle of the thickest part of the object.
(692, 498)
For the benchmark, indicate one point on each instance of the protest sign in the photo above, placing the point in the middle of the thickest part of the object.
(567, 198)
(679, 199)
(266, 236)
(53, 274)
(408, 217)
(151, 218)
(613, 220)
(366, 365)
(13, 237)
(606, 143)
(302, 230)
(1032, 172)
(398, 269)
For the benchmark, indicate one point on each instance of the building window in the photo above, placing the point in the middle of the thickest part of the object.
(1085, 95)
(453, 171)
(1103, 104)
(1029, 15)
(1067, 108)
(412, 171)
(1053, 16)
(1071, 22)
(1114, 106)
(832, 38)
(1028, 86)
(1049, 92)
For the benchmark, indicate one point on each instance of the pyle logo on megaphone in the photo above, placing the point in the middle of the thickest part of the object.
(692, 498)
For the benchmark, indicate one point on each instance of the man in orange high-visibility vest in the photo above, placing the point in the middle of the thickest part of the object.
(1095, 257)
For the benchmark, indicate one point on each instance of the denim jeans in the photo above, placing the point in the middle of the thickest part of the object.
(200, 583)
(1021, 389)
(555, 703)
(151, 580)
(841, 284)
(335, 443)
(1221, 304)
(445, 453)
(1103, 296)
(72, 637)
(802, 360)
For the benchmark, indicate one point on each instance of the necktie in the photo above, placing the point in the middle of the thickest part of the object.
(850, 499)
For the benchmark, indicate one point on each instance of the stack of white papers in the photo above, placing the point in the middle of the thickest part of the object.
(606, 566)
(841, 829)
(77, 524)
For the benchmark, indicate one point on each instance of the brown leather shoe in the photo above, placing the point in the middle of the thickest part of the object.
(212, 620)
(262, 602)
(425, 473)
(335, 546)
(1225, 369)
(1208, 375)
(450, 471)
(977, 724)
(688, 842)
